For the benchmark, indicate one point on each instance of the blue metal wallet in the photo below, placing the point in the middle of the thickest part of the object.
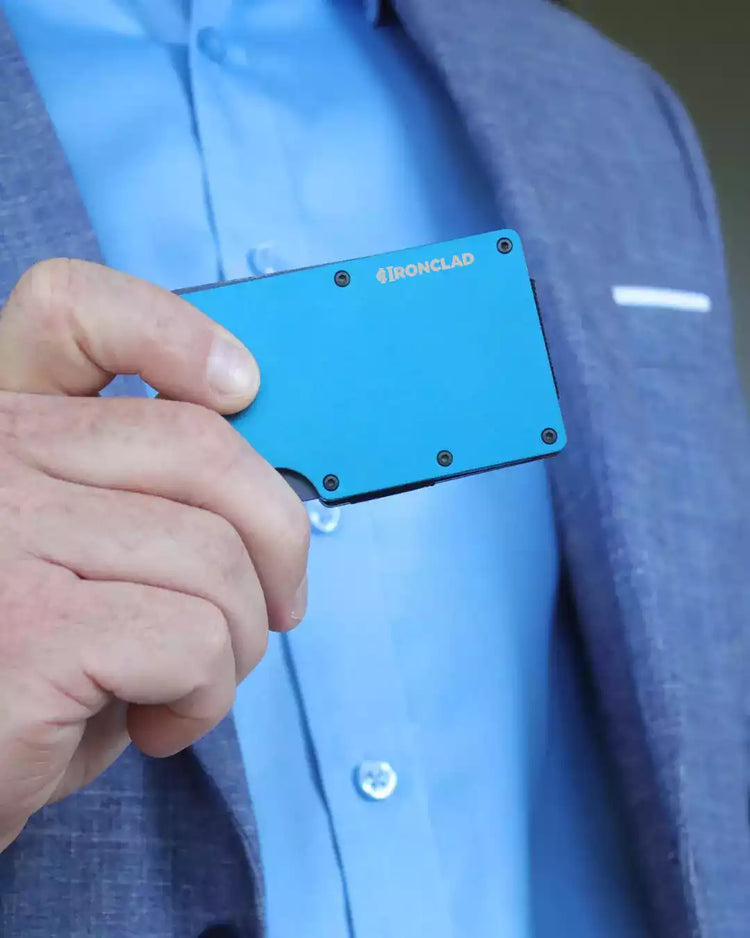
(387, 373)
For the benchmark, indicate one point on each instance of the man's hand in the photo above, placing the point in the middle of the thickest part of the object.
(145, 548)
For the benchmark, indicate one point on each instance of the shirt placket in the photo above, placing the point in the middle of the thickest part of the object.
(356, 711)
(248, 187)
(343, 660)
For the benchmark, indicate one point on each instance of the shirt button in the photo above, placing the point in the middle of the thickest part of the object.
(376, 780)
(262, 260)
(211, 44)
(324, 518)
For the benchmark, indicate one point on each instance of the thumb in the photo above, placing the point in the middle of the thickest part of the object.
(69, 326)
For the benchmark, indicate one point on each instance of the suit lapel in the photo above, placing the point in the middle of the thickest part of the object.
(645, 527)
(218, 754)
(41, 213)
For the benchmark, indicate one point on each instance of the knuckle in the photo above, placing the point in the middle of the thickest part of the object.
(213, 645)
(49, 289)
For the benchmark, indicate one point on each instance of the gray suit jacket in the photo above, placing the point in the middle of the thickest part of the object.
(595, 163)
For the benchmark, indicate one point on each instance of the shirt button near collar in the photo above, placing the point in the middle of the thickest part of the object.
(263, 259)
(211, 44)
(376, 780)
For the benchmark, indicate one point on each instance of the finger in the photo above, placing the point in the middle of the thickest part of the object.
(180, 452)
(167, 654)
(91, 642)
(105, 737)
(100, 534)
(69, 326)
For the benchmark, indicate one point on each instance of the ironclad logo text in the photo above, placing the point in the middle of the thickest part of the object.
(434, 266)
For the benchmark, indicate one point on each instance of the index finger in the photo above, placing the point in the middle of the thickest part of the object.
(180, 452)
(69, 326)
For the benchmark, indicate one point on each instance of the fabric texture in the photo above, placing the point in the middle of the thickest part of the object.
(650, 498)
(41, 214)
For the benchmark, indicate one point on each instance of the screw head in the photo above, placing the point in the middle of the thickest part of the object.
(331, 483)
(549, 436)
(444, 457)
(504, 245)
(341, 278)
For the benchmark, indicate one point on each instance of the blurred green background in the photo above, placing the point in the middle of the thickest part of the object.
(703, 50)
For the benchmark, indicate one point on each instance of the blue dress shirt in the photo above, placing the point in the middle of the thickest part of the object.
(420, 752)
